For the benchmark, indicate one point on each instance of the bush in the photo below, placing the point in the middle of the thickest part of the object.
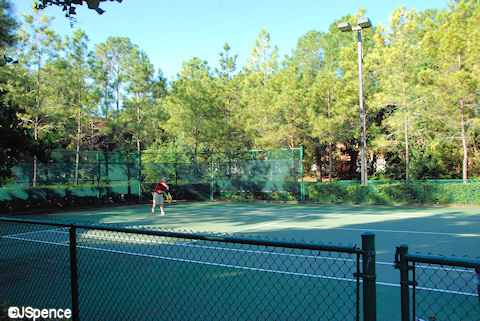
(396, 192)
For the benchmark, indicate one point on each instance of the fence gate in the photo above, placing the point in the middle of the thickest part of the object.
(434, 288)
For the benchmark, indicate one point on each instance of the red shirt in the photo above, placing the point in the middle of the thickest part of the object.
(160, 188)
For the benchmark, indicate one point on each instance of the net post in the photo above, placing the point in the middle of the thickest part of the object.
(369, 277)
(401, 263)
(74, 272)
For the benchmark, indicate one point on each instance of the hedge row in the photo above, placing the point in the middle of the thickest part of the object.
(395, 193)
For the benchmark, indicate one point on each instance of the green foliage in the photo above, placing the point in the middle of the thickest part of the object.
(430, 192)
(17, 141)
(421, 77)
(8, 25)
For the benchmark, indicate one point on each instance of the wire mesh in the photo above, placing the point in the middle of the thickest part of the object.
(445, 292)
(145, 275)
(34, 266)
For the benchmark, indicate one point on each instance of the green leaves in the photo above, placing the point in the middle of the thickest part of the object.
(421, 79)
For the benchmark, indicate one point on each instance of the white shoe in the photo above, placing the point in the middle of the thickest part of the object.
(162, 213)
(153, 211)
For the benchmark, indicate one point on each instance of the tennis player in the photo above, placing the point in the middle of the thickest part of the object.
(158, 195)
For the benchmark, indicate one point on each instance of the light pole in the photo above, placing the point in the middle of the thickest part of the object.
(362, 23)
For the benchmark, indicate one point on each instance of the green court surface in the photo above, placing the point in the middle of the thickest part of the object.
(449, 231)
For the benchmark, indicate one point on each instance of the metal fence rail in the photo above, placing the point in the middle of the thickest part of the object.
(111, 272)
(442, 288)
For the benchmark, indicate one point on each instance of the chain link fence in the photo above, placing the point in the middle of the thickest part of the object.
(121, 273)
(91, 178)
(438, 287)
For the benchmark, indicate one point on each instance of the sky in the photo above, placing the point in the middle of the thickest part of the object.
(172, 32)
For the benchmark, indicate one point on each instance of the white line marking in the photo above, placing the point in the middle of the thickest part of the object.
(188, 260)
(236, 266)
(388, 231)
(257, 226)
(39, 231)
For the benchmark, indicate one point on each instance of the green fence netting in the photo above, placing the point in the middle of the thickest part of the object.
(246, 175)
(231, 175)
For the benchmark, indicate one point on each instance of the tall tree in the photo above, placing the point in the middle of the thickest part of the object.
(110, 63)
(228, 87)
(258, 92)
(77, 52)
(455, 84)
(17, 140)
(139, 96)
(193, 108)
(396, 59)
(39, 43)
(323, 94)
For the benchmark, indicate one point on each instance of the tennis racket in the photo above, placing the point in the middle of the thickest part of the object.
(168, 196)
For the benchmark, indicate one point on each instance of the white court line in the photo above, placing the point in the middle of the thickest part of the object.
(382, 230)
(235, 266)
(187, 260)
(428, 289)
(257, 226)
(187, 244)
(272, 223)
(39, 231)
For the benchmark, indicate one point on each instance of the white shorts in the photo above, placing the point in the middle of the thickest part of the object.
(157, 198)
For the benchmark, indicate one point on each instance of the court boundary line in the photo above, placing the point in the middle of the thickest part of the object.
(233, 266)
(151, 242)
(385, 230)
(239, 267)
(186, 260)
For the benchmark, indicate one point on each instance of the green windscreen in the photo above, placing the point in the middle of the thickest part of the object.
(233, 175)
(78, 177)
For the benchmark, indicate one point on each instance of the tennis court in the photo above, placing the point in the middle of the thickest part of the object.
(449, 231)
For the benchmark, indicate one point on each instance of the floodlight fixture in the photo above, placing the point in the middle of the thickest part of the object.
(364, 22)
(344, 26)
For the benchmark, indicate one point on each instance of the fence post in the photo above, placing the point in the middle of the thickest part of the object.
(99, 175)
(302, 186)
(139, 178)
(74, 272)
(420, 192)
(401, 263)
(369, 277)
(211, 176)
(357, 197)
